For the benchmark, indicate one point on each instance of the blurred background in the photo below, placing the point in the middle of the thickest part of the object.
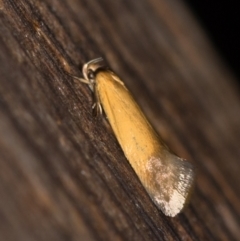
(221, 21)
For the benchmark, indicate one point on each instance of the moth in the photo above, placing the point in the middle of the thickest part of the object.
(167, 178)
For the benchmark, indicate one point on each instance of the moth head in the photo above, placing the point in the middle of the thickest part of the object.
(89, 69)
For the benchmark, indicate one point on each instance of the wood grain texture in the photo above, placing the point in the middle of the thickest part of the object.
(63, 175)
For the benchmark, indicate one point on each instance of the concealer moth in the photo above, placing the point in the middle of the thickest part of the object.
(167, 178)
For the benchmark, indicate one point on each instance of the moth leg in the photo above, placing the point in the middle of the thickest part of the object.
(97, 107)
(85, 81)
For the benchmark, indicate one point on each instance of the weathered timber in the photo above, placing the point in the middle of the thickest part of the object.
(63, 175)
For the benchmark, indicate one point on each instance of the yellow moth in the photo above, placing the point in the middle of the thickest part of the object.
(167, 178)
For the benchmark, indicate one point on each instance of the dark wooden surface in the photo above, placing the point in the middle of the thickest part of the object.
(63, 175)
